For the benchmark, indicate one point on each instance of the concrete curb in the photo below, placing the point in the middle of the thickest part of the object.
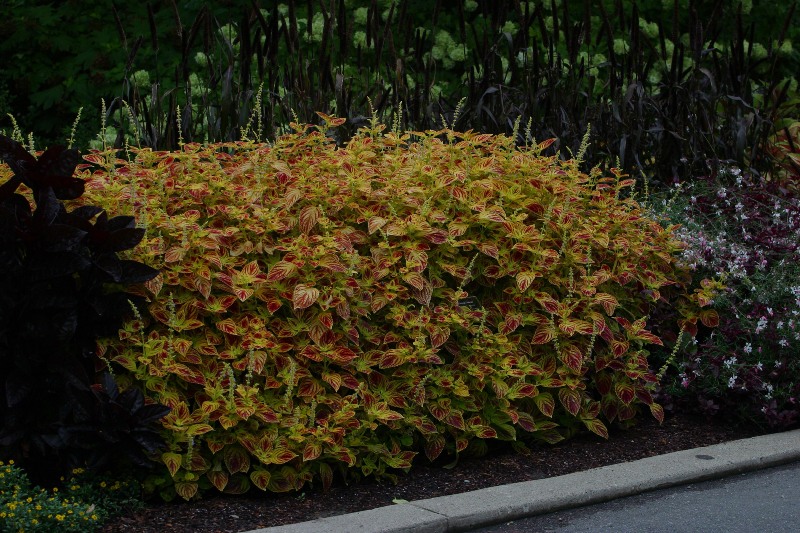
(469, 510)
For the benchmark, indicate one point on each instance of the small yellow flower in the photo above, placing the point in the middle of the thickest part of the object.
(103, 484)
(60, 517)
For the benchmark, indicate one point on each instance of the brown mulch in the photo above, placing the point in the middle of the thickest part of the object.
(256, 510)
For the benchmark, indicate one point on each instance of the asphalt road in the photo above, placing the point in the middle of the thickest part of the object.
(765, 501)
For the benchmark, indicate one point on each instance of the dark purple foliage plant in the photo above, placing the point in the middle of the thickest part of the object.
(61, 287)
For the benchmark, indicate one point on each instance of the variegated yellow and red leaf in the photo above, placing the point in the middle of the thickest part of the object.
(646, 336)
(260, 478)
(304, 296)
(438, 411)
(439, 335)
(596, 426)
(375, 223)
(709, 318)
(489, 249)
(572, 356)
(236, 459)
(454, 418)
(608, 302)
(618, 347)
(511, 323)
(332, 379)
(571, 400)
(172, 461)
(544, 334)
(278, 456)
(526, 422)
(326, 319)
(311, 451)
(434, 446)
(545, 402)
(187, 374)
(186, 489)
(658, 412)
(309, 216)
(624, 392)
(281, 270)
(522, 390)
(341, 355)
(571, 326)
(332, 263)
(227, 421)
(414, 279)
(547, 302)
(174, 254)
(309, 388)
(485, 432)
(331, 121)
(228, 326)
(524, 280)
(392, 358)
(218, 478)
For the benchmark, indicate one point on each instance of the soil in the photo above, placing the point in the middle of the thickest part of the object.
(222, 513)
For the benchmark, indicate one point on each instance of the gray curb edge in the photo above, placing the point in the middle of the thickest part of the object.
(469, 510)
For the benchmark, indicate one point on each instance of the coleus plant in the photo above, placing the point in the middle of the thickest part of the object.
(326, 309)
(61, 287)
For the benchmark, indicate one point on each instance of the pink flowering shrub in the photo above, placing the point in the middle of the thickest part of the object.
(746, 231)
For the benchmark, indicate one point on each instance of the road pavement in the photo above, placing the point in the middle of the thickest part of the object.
(762, 501)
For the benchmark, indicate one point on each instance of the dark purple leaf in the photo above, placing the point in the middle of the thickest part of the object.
(135, 272)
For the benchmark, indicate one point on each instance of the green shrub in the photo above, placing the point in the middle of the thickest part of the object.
(322, 308)
(83, 505)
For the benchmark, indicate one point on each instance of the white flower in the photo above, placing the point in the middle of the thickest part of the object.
(729, 362)
(748, 348)
(732, 382)
(784, 343)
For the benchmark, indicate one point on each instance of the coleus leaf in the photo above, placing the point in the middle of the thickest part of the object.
(525, 280)
(186, 489)
(218, 478)
(434, 446)
(236, 459)
(544, 401)
(572, 356)
(172, 461)
(260, 478)
(309, 216)
(281, 270)
(571, 400)
(304, 296)
(625, 392)
(547, 302)
(658, 412)
(596, 426)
